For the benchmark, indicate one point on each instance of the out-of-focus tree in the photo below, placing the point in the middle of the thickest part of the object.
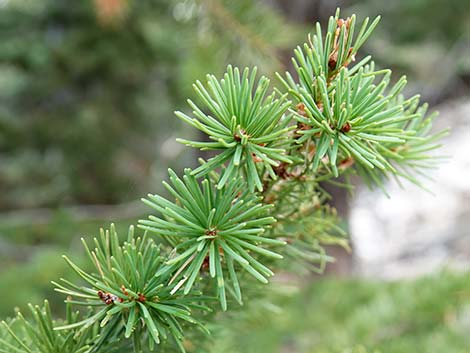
(427, 39)
(87, 89)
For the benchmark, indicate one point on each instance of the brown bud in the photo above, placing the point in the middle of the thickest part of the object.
(124, 290)
(141, 298)
(346, 163)
(332, 63)
(205, 264)
(346, 127)
(256, 159)
(301, 109)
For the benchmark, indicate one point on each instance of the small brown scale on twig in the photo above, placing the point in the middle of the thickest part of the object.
(211, 232)
(108, 298)
(281, 171)
(346, 163)
(206, 262)
(124, 290)
(255, 158)
(141, 298)
(332, 61)
(265, 184)
(300, 125)
(346, 127)
(301, 109)
(333, 58)
(320, 106)
(238, 136)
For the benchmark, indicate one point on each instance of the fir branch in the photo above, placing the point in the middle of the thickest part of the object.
(213, 228)
(37, 334)
(249, 127)
(353, 115)
(343, 118)
(131, 294)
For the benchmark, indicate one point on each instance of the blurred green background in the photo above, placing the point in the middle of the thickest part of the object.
(87, 94)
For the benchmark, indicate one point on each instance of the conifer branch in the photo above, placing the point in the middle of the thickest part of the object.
(237, 215)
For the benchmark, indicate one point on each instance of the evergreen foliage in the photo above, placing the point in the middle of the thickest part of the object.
(218, 223)
(262, 190)
(37, 334)
(131, 288)
(247, 126)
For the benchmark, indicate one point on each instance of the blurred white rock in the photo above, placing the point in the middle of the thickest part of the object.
(414, 232)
